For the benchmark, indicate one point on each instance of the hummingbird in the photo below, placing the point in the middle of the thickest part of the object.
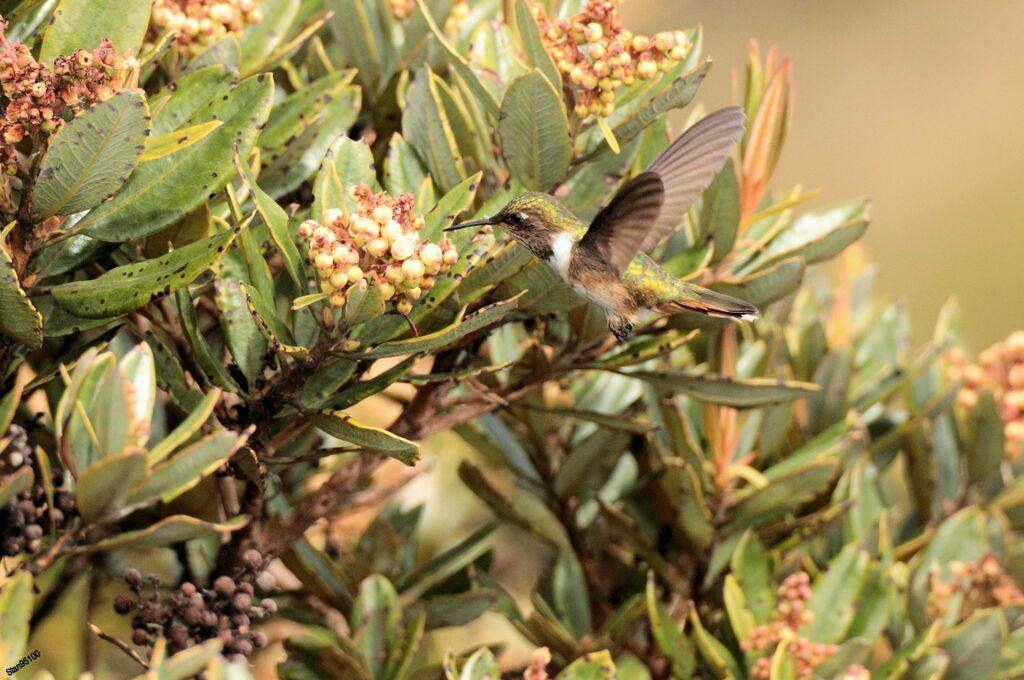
(607, 261)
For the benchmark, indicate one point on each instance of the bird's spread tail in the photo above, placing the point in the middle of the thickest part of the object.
(704, 301)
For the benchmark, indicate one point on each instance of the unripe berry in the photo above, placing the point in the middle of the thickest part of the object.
(355, 274)
(391, 231)
(431, 255)
(387, 291)
(394, 274)
(382, 213)
(377, 247)
(415, 292)
(401, 248)
(324, 261)
(338, 280)
(413, 268)
(337, 300)
(307, 227)
(404, 307)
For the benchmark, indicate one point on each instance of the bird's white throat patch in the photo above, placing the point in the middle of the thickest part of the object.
(561, 253)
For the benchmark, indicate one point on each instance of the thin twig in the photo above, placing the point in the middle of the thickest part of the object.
(120, 644)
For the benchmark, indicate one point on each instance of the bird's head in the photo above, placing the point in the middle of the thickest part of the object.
(533, 219)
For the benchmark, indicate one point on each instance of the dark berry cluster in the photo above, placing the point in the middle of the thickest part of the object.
(191, 615)
(27, 517)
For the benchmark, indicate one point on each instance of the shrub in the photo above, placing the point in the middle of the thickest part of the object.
(231, 319)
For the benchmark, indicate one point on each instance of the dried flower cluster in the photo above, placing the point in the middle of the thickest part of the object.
(598, 56)
(41, 100)
(977, 585)
(27, 517)
(791, 614)
(1000, 370)
(200, 23)
(537, 670)
(194, 615)
(378, 244)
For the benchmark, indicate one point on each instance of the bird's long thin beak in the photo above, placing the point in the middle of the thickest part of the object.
(474, 223)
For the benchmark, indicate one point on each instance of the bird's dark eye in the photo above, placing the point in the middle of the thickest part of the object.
(517, 219)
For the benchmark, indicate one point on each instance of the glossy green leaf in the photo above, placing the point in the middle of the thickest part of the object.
(835, 596)
(376, 620)
(818, 237)
(176, 140)
(534, 133)
(103, 488)
(20, 319)
(162, 191)
(91, 157)
(720, 212)
(669, 636)
(340, 425)
(276, 219)
(365, 302)
(131, 286)
(183, 100)
(80, 24)
(783, 495)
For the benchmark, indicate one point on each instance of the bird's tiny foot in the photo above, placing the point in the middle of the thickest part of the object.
(621, 332)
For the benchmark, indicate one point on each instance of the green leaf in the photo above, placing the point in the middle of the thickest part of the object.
(183, 100)
(365, 302)
(276, 219)
(20, 319)
(15, 614)
(751, 565)
(184, 431)
(170, 530)
(571, 599)
(259, 40)
(818, 237)
(186, 468)
(426, 127)
(91, 157)
(162, 191)
(176, 140)
(215, 370)
(480, 666)
(986, 450)
(445, 611)
(720, 212)
(533, 46)
(244, 339)
(717, 389)
(534, 133)
(766, 286)
(9, 406)
(783, 495)
(104, 487)
(340, 425)
(714, 653)
(15, 483)
(668, 635)
(126, 288)
(348, 164)
(80, 24)
(451, 205)
(741, 619)
(356, 38)
(459, 64)
(376, 620)
(594, 666)
(192, 662)
(403, 172)
(432, 342)
(973, 646)
(290, 165)
(835, 596)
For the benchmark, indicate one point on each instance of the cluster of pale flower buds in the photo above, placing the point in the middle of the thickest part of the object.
(981, 584)
(598, 55)
(791, 613)
(41, 100)
(403, 9)
(1000, 370)
(379, 244)
(200, 23)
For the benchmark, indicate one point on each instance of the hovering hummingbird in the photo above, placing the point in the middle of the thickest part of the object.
(607, 262)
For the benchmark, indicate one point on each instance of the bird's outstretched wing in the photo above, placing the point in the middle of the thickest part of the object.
(689, 164)
(652, 204)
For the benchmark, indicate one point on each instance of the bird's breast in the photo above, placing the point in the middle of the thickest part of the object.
(561, 253)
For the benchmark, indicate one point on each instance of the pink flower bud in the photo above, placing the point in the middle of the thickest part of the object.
(307, 227)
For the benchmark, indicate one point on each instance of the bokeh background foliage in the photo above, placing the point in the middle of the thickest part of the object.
(213, 463)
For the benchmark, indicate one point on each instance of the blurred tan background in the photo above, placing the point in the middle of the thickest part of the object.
(918, 104)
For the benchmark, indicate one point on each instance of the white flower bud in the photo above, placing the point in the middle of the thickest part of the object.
(364, 226)
(307, 228)
(431, 255)
(387, 290)
(339, 279)
(394, 274)
(324, 261)
(332, 215)
(337, 300)
(340, 254)
(382, 213)
(404, 307)
(355, 273)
